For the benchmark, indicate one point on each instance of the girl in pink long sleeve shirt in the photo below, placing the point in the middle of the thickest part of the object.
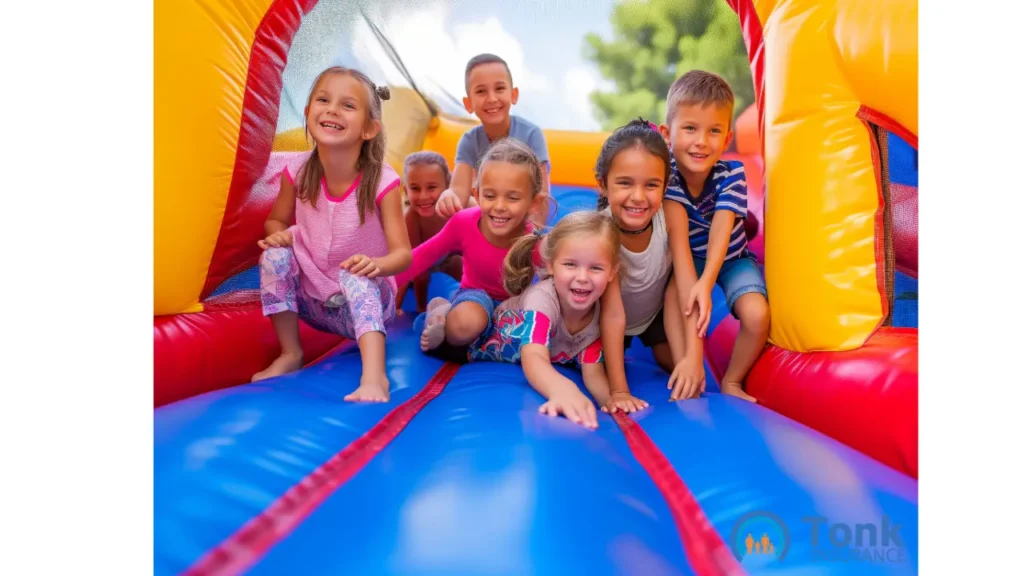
(509, 188)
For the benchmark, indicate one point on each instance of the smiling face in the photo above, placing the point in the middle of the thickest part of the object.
(505, 198)
(338, 113)
(635, 187)
(490, 94)
(581, 268)
(424, 184)
(698, 136)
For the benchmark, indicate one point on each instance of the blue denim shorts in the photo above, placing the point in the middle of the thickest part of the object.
(737, 277)
(479, 297)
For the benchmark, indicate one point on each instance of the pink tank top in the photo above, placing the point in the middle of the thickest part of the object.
(327, 235)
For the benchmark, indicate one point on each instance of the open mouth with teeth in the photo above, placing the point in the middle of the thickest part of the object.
(698, 157)
(579, 295)
(331, 126)
(425, 206)
(634, 210)
(499, 222)
(492, 111)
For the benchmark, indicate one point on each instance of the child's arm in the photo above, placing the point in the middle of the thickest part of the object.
(596, 380)
(412, 227)
(456, 197)
(399, 255)
(433, 249)
(562, 394)
(730, 205)
(282, 213)
(718, 244)
(613, 332)
(687, 380)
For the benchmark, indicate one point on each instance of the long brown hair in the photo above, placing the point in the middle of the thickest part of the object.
(371, 154)
(518, 267)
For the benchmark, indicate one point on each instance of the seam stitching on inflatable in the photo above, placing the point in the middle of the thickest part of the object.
(704, 548)
(257, 536)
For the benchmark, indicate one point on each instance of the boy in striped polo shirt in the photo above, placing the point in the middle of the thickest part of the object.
(714, 193)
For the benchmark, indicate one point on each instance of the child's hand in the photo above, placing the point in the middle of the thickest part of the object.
(448, 203)
(687, 380)
(360, 265)
(625, 402)
(700, 295)
(576, 407)
(281, 239)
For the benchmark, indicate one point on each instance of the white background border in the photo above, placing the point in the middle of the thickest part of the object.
(75, 331)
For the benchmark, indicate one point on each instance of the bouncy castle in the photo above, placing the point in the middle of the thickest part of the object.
(458, 474)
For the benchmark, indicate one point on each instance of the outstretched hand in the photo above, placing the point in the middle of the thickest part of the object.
(687, 380)
(623, 402)
(576, 407)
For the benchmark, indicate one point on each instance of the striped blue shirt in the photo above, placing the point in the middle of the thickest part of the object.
(725, 189)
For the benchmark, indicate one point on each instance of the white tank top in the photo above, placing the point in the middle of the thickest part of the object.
(643, 277)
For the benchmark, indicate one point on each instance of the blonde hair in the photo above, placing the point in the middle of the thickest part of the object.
(698, 87)
(371, 154)
(518, 267)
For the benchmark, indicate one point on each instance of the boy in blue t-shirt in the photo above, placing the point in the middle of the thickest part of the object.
(714, 193)
(490, 95)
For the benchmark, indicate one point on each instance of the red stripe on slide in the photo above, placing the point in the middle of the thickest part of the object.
(243, 548)
(707, 553)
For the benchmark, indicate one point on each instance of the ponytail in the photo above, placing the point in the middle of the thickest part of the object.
(518, 265)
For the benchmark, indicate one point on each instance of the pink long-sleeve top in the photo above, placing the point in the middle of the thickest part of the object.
(481, 261)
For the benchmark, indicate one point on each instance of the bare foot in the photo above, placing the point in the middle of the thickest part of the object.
(736, 389)
(285, 363)
(371, 390)
(433, 329)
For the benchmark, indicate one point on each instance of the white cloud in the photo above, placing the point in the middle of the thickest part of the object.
(577, 84)
(440, 56)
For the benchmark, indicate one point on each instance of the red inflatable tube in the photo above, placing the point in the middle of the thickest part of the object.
(197, 353)
(864, 398)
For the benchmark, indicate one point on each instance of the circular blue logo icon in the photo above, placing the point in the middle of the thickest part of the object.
(760, 538)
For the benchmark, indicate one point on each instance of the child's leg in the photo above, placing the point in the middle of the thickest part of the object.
(746, 296)
(453, 267)
(433, 329)
(469, 317)
(400, 297)
(420, 287)
(279, 282)
(359, 311)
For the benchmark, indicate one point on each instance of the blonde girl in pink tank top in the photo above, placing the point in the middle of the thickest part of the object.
(334, 267)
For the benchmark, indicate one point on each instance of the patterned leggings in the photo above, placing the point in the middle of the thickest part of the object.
(361, 305)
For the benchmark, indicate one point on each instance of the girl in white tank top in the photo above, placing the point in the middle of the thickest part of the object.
(633, 170)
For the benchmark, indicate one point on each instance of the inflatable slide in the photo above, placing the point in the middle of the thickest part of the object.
(458, 474)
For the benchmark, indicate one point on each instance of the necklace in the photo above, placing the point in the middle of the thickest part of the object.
(636, 232)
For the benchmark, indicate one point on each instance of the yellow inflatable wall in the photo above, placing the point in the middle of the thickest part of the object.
(200, 77)
(824, 61)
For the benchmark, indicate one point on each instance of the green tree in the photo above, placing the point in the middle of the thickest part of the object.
(655, 42)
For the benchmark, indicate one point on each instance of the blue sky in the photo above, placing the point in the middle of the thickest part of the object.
(541, 39)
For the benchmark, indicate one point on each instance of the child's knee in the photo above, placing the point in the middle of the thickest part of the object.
(276, 256)
(753, 312)
(466, 320)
